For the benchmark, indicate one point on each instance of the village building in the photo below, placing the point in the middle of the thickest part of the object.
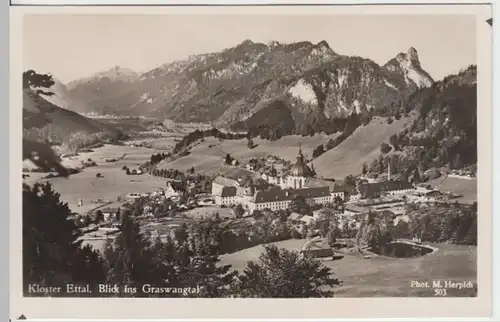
(352, 210)
(220, 182)
(275, 192)
(174, 189)
(296, 179)
(307, 220)
(109, 213)
(379, 189)
(226, 196)
(294, 218)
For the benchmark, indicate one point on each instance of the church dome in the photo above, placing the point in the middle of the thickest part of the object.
(300, 168)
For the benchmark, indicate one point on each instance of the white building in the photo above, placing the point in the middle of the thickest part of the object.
(173, 190)
(226, 196)
(278, 192)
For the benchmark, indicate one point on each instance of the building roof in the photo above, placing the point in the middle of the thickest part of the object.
(294, 216)
(375, 188)
(226, 181)
(314, 192)
(356, 208)
(177, 186)
(109, 210)
(228, 192)
(307, 219)
(300, 168)
(272, 194)
(275, 194)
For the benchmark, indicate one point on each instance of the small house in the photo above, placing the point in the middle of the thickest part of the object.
(109, 213)
(174, 189)
(307, 219)
(294, 217)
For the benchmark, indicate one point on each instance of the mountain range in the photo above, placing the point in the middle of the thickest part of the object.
(299, 82)
(272, 90)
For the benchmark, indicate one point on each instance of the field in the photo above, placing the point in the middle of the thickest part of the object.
(360, 147)
(386, 277)
(209, 211)
(467, 188)
(114, 182)
(165, 142)
(207, 157)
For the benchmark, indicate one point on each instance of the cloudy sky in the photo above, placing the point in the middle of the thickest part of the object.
(75, 46)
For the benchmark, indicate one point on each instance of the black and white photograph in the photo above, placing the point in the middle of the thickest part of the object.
(250, 155)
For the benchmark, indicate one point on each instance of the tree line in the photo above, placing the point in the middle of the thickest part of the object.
(196, 135)
(53, 256)
(350, 124)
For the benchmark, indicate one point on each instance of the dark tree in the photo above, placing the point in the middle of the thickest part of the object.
(339, 202)
(239, 211)
(118, 215)
(257, 214)
(52, 255)
(385, 148)
(416, 176)
(331, 237)
(181, 233)
(32, 79)
(99, 217)
(203, 267)
(350, 180)
(228, 159)
(364, 170)
(281, 273)
(300, 205)
(250, 143)
(319, 150)
(457, 162)
(129, 258)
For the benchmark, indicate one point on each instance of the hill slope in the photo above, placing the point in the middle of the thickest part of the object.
(60, 97)
(360, 147)
(445, 132)
(46, 122)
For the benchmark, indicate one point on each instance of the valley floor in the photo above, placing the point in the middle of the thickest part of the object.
(114, 182)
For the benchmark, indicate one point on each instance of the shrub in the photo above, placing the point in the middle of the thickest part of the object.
(385, 148)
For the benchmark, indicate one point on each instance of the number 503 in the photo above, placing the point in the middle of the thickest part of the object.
(439, 292)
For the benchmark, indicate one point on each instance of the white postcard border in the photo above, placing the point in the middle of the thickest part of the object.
(260, 308)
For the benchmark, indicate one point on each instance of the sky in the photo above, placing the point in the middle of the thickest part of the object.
(75, 46)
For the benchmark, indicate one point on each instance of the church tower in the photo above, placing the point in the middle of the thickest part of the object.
(299, 172)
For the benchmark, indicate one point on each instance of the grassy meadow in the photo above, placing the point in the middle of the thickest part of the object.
(383, 276)
(363, 146)
(114, 182)
(466, 187)
(207, 156)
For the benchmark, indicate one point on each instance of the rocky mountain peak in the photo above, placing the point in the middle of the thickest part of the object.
(323, 43)
(412, 54)
(411, 69)
(273, 43)
(118, 71)
(115, 73)
(247, 42)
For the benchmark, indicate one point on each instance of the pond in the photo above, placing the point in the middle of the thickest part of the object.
(402, 250)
